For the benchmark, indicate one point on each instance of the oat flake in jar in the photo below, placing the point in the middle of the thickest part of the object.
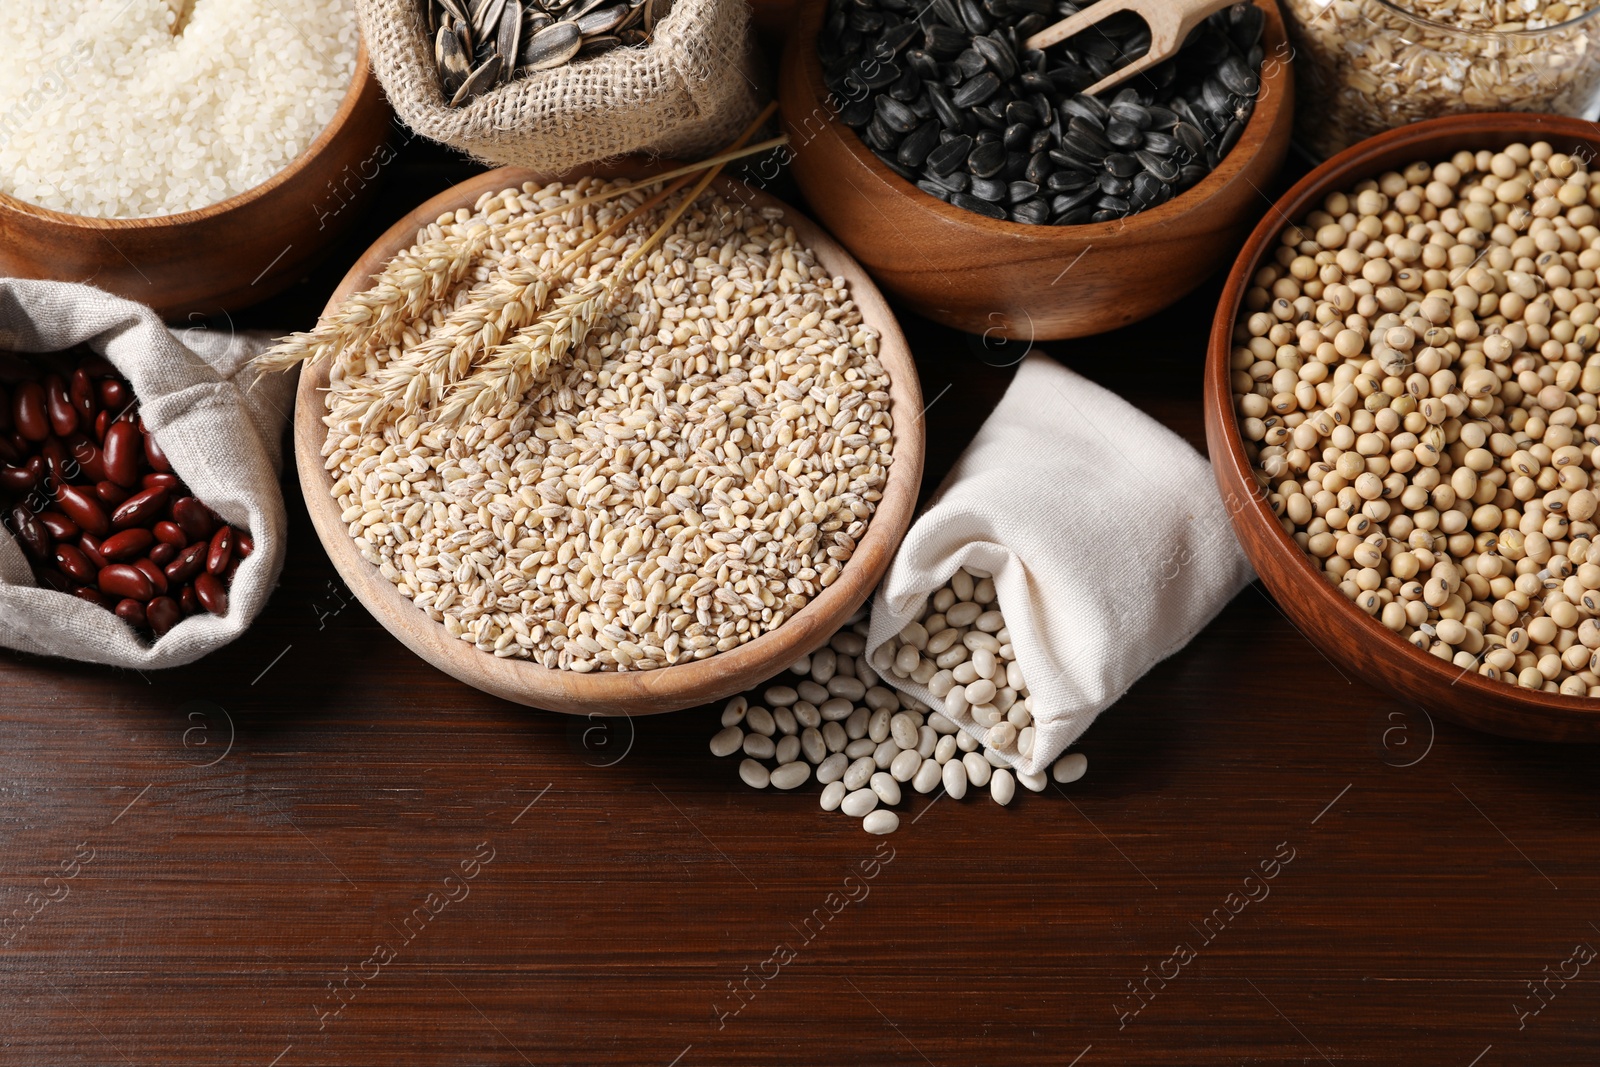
(1370, 65)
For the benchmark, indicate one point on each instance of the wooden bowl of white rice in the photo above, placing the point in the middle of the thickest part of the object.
(193, 155)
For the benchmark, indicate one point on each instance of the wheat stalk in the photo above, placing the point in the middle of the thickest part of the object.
(402, 292)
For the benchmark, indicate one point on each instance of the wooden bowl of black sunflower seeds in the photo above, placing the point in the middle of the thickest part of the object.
(975, 181)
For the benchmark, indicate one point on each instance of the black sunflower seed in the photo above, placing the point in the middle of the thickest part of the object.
(1000, 58)
(986, 160)
(1032, 213)
(981, 207)
(1020, 191)
(1124, 134)
(950, 155)
(896, 116)
(918, 144)
(1122, 165)
(976, 90)
(1162, 168)
(988, 189)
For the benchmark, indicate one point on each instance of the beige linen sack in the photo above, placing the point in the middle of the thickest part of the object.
(690, 91)
(222, 438)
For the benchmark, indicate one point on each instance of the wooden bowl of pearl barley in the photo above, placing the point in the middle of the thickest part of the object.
(663, 688)
(226, 255)
(1436, 535)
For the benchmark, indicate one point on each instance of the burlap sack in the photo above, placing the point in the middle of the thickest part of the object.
(689, 92)
(222, 439)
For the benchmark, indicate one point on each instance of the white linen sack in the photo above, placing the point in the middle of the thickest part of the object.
(221, 437)
(1108, 542)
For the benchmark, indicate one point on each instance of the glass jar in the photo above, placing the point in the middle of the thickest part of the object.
(1365, 66)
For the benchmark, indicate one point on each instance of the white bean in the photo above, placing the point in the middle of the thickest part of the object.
(941, 724)
(965, 674)
(859, 802)
(791, 775)
(928, 776)
(1002, 787)
(906, 660)
(955, 703)
(885, 754)
(941, 683)
(927, 741)
(812, 692)
(1035, 781)
(962, 584)
(823, 664)
(963, 614)
(1014, 675)
(727, 742)
(849, 688)
(1025, 741)
(866, 673)
(780, 695)
(1001, 735)
(801, 666)
(983, 592)
(886, 787)
(986, 715)
(860, 747)
(966, 742)
(878, 698)
(858, 724)
(925, 672)
(904, 730)
(1070, 768)
(834, 737)
(754, 774)
(734, 710)
(806, 714)
(759, 746)
(760, 720)
(832, 795)
(955, 779)
(990, 621)
(981, 691)
(943, 599)
(785, 721)
(881, 822)
(848, 644)
(811, 744)
(978, 769)
(904, 766)
(878, 724)
(787, 749)
(945, 750)
(859, 773)
(835, 709)
(983, 663)
(832, 769)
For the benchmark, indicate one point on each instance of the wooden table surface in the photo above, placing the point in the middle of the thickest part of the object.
(311, 848)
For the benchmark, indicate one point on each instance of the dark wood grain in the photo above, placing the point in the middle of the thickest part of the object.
(1005, 279)
(1352, 637)
(1436, 871)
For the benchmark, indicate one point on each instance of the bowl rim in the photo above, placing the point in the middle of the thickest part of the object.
(664, 689)
(1270, 96)
(359, 83)
(1309, 190)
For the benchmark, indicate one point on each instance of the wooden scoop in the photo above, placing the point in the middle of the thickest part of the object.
(1170, 23)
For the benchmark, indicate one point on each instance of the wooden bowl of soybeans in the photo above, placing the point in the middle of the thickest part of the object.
(1004, 279)
(1361, 646)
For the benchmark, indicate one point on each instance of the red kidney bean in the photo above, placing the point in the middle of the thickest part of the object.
(153, 453)
(60, 466)
(233, 568)
(56, 580)
(163, 614)
(19, 480)
(85, 397)
(28, 408)
(194, 517)
(209, 591)
(60, 527)
(122, 580)
(75, 564)
(90, 546)
(102, 423)
(111, 493)
(34, 537)
(93, 596)
(114, 394)
(243, 545)
(7, 453)
(170, 533)
(89, 458)
(141, 508)
(127, 545)
(58, 405)
(83, 509)
(122, 454)
(158, 581)
(163, 554)
(190, 562)
(188, 601)
(221, 551)
(132, 612)
(162, 480)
